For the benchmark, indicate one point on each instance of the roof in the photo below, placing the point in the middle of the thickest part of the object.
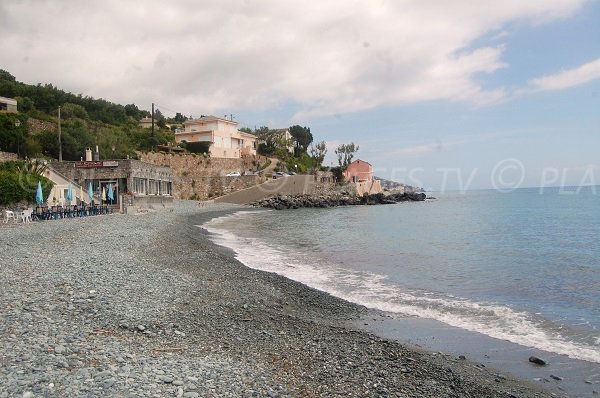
(247, 134)
(209, 119)
(360, 160)
(10, 101)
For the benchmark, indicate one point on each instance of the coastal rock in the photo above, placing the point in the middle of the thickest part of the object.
(537, 361)
(281, 202)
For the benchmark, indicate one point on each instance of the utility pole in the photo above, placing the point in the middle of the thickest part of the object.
(153, 119)
(59, 138)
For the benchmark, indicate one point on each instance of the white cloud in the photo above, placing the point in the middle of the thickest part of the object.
(567, 78)
(215, 56)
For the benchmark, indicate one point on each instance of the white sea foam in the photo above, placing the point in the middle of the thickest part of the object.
(375, 291)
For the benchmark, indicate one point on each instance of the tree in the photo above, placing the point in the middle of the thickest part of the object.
(302, 138)
(5, 75)
(25, 104)
(131, 110)
(318, 152)
(70, 110)
(179, 118)
(160, 119)
(266, 138)
(345, 153)
(19, 180)
(13, 132)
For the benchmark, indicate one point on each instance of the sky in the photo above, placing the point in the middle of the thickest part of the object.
(447, 95)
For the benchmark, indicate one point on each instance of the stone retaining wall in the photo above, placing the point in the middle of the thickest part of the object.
(199, 177)
(7, 156)
(35, 126)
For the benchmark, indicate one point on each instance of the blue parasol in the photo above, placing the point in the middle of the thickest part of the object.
(39, 196)
(110, 193)
(90, 192)
(70, 193)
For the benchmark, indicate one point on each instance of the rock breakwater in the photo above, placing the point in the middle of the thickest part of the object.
(280, 202)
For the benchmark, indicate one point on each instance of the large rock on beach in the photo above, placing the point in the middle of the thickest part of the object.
(280, 202)
(537, 361)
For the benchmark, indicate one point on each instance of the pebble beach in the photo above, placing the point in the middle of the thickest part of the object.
(144, 305)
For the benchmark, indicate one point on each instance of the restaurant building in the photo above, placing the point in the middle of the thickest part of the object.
(133, 182)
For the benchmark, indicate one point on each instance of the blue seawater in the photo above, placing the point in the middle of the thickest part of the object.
(522, 266)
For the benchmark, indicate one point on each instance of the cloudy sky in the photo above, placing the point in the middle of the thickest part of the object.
(444, 94)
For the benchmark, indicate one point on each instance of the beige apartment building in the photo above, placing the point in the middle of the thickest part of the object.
(226, 141)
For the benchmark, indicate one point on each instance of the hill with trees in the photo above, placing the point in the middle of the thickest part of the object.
(90, 122)
(85, 122)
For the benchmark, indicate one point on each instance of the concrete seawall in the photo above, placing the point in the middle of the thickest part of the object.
(292, 185)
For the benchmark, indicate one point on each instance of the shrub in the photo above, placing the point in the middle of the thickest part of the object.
(21, 186)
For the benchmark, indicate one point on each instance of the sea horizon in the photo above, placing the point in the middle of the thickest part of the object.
(566, 189)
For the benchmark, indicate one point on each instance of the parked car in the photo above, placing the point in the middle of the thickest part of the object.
(250, 173)
(278, 174)
(233, 174)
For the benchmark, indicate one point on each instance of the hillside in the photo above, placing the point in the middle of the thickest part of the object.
(85, 122)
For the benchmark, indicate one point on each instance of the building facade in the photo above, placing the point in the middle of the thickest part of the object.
(134, 183)
(360, 174)
(146, 122)
(223, 136)
(8, 105)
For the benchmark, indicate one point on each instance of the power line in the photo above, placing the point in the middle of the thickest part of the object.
(161, 107)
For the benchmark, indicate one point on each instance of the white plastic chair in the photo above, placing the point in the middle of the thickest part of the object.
(26, 215)
(8, 215)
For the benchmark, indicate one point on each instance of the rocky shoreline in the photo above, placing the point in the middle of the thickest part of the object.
(146, 306)
(280, 202)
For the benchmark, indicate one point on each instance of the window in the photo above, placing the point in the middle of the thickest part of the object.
(165, 188)
(153, 187)
(139, 186)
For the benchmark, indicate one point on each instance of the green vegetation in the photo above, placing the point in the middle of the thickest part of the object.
(85, 122)
(18, 182)
(13, 132)
(302, 138)
(272, 142)
(345, 154)
(47, 98)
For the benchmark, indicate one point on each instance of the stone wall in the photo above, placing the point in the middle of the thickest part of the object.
(199, 177)
(7, 156)
(35, 126)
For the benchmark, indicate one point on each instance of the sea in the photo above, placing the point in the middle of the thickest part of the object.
(520, 270)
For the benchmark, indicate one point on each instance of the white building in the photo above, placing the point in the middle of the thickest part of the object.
(226, 141)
